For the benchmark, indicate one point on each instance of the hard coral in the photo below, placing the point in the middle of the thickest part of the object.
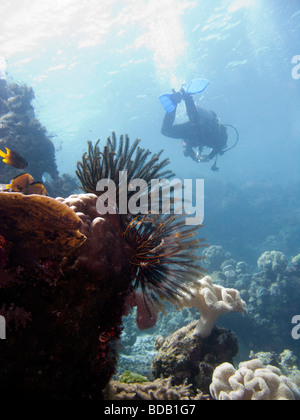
(38, 227)
(184, 356)
(274, 262)
(160, 389)
(75, 304)
(104, 251)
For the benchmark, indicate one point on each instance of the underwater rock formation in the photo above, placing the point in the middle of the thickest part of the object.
(273, 262)
(23, 133)
(214, 256)
(63, 298)
(184, 356)
(252, 381)
(59, 312)
(294, 266)
(273, 298)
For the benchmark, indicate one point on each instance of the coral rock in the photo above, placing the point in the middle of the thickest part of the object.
(272, 262)
(38, 226)
(186, 357)
(160, 389)
(65, 313)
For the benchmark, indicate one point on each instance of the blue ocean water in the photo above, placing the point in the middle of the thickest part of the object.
(97, 66)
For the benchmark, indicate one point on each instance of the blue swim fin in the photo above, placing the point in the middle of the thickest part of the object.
(167, 102)
(197, 86)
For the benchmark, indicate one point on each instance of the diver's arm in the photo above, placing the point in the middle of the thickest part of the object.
(167, 125)
(191, 108)
(175, 131)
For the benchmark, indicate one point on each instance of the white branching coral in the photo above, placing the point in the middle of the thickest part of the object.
(211, 301)
(252, 381)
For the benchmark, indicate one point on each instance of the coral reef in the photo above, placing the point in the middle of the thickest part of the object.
(160, 389)
(66, 274)
(214, 256)
(273, 262)
(271, 291)
(164, 262)
(183, 356)
(252, 381)
(267, 324)
(294, 266)
(38, 227)
(69, 334)
(22, 132)
(273, 297)
(286, 361)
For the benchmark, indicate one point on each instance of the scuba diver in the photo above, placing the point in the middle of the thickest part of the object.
(203, 128)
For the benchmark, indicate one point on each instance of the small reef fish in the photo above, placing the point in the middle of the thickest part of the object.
(36, 188)
(13, 159)
(25, 184)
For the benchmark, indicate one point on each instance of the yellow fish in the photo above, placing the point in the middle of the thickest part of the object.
(13, 159)
(20, 183)
(36, 188)
(24, 184)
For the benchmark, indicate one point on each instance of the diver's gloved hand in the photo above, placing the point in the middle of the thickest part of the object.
(176, 97)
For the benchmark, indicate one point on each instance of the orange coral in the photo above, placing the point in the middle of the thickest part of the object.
(38, 226)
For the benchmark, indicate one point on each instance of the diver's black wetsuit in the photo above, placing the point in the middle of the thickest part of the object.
(202, 129)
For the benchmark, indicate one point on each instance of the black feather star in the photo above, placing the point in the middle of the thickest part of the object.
(164, 260)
